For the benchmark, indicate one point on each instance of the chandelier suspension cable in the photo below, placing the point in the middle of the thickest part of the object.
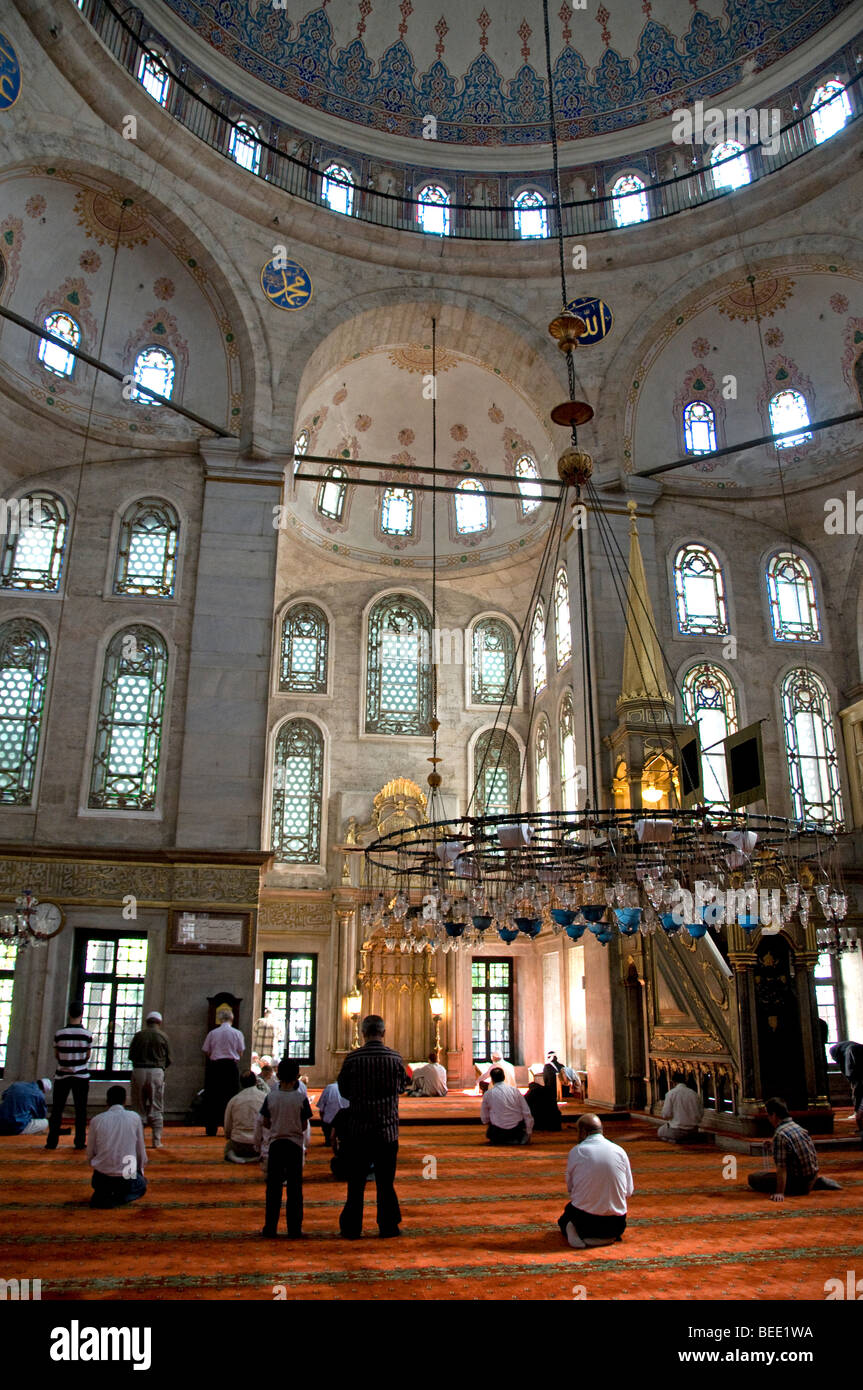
(434, 778)
(552, 120)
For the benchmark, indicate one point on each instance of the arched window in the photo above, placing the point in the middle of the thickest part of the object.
(397, 511)
(730, 165)
(298, 793)
(699, 428)
(562, 619)
(813, 767)
(471, 507)
(529, 486)
(337, 189)
(155, 369)
(129, 723)
(497, 773)
(398, 681)
(709, 701)
(531, 216)
(830, 109)
(304, 652)
(788, 411)
(36, 548)
(433, 204)
(537, 649)
(542, 767)
(629, 200)
(24, 655)
(332, 494)
(301, 448)
(569, 780)
(244, 146)
(492, 671)
(793, 604)
(154, 78)
(700, 592)
(147, 550)
(51, 355)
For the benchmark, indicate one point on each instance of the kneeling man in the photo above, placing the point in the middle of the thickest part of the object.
(599, 1180)
(117, 1153)
(505, 1112)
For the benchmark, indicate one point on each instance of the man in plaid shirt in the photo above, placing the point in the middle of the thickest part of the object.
(796, 1172)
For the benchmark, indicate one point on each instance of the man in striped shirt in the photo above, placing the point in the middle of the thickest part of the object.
(371, 1080)
(72, 1049)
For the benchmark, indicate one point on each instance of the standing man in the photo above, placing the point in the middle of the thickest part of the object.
(266, 1035)
(117, 1153)
(223, 1047)
(848, 1057)
(371, 1080)
(598, 1180)
(72, 1047)
(285, 1114)
(150, 1055)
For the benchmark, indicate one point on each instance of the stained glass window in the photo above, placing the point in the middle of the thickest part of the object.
(793, 605)
(730, 165)
(471, 507)
(337, 189)
(788, 411)
(537, 649)
(531, 216)
(830, 110)
(304, 654)
(811, 747)
(529, 486)
(398, 683)
(289, 993)
(629, 200)
(153, 77)
(24, 655)
(36, 548)
(332, 494)
(154, 369)
(542, 767)
(244, 147)
(710, 702)
(492, 674)
(569, 778)
(8, 955)
(491, 989)
(497, 773)
(397, 511)
(129, 725)
(699, 591)
(147, 550)
(51, 355)
(298, 790)
(562, 619)
(110, 974)
(301, 447)
(433, 210)
(699, 428)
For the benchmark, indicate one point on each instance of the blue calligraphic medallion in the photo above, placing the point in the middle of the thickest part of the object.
(10, 74)
(597, 316)
(288, 286)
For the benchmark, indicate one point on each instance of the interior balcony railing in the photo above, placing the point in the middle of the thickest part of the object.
(257, 143)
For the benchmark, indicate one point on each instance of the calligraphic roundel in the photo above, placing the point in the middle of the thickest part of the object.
(286, 284)
(597, 316)
(10, 74)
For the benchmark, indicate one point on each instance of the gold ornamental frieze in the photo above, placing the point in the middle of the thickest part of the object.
(106, 884)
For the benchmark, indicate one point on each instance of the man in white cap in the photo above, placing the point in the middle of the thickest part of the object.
(150, 1055)
(23, 1109)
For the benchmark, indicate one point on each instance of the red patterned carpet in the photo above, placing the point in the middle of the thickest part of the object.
(483, 1228)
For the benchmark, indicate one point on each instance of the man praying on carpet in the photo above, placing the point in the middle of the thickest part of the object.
(241, 1112)
(505, 1112)
(117, 1153)
(684, 1112)
(484, 1081)
(23, 1109)
(848, 1057)
(599, 1181)
(796, 1172)
(429, 1080)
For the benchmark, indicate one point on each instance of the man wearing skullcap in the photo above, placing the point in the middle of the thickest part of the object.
(150, 1055)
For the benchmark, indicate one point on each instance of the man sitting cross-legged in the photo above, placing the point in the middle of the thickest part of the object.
(505, 1112)
(599, 1180)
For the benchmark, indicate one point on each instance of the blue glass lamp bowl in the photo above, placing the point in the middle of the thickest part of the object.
(628, 919)
(531, 926)
(453, 928)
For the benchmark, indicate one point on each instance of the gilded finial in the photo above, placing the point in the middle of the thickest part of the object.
(632, 508)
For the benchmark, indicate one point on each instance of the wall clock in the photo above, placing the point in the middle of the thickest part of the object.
(288, 286)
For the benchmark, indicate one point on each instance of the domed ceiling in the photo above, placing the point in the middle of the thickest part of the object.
(479, 66)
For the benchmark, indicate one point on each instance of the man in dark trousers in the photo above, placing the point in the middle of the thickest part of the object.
(72, 1049)
(372, 1079)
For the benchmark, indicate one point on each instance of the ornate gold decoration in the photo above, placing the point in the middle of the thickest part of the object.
(295, 915)
(416, 357)
(108, 883)
(102, 215)
(399, 789)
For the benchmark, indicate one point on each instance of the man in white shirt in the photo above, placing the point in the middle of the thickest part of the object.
(506, 1067)
(330, 1102)
(599, 1180)
(240, 1114)
(223, 1047)
(117, 1153)
(684, 1111)
(505, 1112)
(429, 1080)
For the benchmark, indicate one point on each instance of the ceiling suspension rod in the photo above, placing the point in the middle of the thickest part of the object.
(425, 469)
